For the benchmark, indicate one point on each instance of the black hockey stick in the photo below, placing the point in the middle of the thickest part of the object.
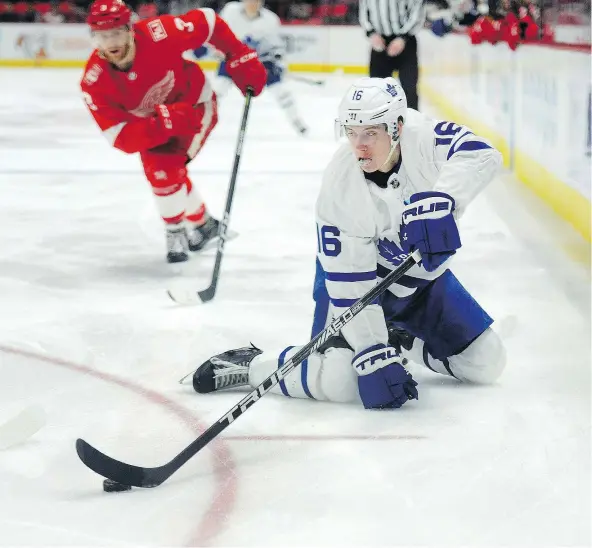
(127, 474)
(184, 296)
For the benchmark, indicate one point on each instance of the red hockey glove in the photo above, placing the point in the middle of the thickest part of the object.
(178, 119)
(246, 70)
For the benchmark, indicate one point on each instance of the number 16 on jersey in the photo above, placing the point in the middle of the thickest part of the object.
(328, 242)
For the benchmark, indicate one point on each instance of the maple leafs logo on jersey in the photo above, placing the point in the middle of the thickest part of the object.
(251, 42)
(156, 95)
(391, 89)
(390, 251)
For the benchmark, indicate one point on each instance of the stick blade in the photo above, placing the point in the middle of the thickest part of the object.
(208, 294)
(123, 473)
(184, 295)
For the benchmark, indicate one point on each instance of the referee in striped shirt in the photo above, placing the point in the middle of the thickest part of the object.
(391, 26)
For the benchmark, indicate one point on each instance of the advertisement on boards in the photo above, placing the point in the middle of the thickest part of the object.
(37, 42)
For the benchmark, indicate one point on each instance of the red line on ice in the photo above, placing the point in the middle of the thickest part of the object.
(326, 437)
(222, 504)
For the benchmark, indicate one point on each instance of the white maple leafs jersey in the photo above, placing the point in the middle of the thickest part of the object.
(358, 222)
(260, 33)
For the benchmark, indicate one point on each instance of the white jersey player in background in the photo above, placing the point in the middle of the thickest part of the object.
(400, 183)
(259, 28)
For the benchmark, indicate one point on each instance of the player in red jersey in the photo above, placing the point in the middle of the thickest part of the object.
(146, 98)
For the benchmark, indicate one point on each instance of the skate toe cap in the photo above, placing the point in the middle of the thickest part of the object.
(203, 379)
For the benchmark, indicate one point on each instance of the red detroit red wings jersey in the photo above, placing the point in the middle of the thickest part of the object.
(122, 102)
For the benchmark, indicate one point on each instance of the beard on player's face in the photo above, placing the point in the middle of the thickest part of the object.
(115, 45)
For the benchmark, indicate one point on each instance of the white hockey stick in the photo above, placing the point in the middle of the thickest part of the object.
(305, 80)
(22, 426)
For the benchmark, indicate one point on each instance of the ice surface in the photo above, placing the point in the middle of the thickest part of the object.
(87, 332)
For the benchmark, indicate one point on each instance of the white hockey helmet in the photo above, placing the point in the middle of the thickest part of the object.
(374, 101)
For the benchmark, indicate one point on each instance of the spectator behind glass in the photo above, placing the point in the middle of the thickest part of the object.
(146, 11)
(47, 13)
(7, 14)
(24, 12)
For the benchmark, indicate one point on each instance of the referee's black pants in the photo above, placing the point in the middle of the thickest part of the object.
(406, 63)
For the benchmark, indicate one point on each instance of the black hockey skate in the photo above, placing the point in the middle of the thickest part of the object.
(177, 245)
(199, 236)
(227, 370)
(301, 128)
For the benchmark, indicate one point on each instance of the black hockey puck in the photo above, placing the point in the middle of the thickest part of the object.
(111, 486)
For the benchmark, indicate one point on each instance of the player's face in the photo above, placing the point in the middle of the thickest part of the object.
(114, 44)
(371, 145)
(252, 7)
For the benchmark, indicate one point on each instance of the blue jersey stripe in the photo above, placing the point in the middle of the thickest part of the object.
(281, 361)
(370, 349)
(413, 283)
(346, 303)
(304, 378)
(319, 319)
(350, 276)
(382, 271)
(467, 146)
(455, 143)
(406, 281)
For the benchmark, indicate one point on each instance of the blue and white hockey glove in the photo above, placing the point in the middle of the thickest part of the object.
(428, 225)
(383, 382)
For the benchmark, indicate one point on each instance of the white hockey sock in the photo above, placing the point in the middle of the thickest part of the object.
(195, 207)
(286, 101)
(171, 206)
(328, 377)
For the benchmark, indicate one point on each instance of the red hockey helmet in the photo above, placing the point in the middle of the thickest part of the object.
(108, 14)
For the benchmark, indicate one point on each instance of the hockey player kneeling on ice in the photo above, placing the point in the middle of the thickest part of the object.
(400, 184)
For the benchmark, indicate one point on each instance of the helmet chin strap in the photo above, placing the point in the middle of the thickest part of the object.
(395, 138)
(386, 166)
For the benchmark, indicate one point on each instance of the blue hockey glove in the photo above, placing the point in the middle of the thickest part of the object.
(201, 52)
(383, 382)
(275, 72)
(428, 225)
(441, 27)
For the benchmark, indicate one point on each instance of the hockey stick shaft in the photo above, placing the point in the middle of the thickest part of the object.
(305, 80)
(333, 328)
(231, 188)
(209, 293)
(152, 477)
